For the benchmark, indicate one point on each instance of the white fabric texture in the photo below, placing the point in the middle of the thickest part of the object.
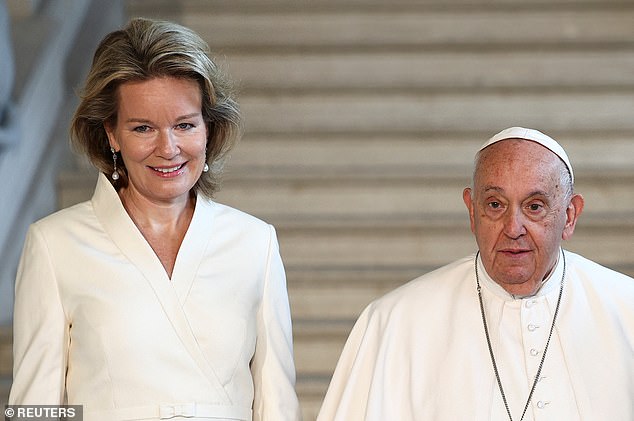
(419, 353)
(97, 317)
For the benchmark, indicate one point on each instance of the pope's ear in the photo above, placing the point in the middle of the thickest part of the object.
(468, 201)
(575, 207)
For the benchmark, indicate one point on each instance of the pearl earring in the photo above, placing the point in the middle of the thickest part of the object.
(115, 174)
(206, 167)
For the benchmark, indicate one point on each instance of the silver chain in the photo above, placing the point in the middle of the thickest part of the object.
(486, 333)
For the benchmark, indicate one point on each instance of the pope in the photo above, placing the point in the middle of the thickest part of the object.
(520, 330)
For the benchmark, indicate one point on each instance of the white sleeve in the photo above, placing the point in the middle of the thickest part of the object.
(272, 366)
(40, 328)
(347, 398)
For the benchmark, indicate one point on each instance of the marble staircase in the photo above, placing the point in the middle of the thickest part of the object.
(362, 118)
(6, 362)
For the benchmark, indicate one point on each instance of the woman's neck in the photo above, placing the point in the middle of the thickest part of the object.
(162, 224)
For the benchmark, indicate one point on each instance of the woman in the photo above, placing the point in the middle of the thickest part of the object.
(151, 301)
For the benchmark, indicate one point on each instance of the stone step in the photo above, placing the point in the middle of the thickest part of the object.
(432, 70)
(346, 198)
(6, 351)
(311, 391)
(488, 27)
(5, 387)
(180, 7)
(411, 243)
(484, 112)
(318, 346)
(385, 152)
(6, 363)
(384, 195)
(340, 293)
(318, 343)
(317, 349)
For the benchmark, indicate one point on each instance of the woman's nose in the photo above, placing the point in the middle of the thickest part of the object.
(167, 144)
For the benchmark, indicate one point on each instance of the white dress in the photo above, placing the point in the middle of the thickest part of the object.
(98, 319)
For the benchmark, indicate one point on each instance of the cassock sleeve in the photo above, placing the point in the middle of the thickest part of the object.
(272, 366)
(40, 329)
(350, 388)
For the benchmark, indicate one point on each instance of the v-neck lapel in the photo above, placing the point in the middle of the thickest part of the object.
(193, 247)
(127, 237)
(125, 234)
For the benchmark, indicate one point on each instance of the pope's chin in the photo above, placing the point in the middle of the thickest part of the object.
(511, 273)
(513, 279)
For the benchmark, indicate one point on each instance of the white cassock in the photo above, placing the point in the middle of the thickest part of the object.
(97, 318)
(420, 352)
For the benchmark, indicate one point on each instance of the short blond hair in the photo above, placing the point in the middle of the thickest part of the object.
(145, 49)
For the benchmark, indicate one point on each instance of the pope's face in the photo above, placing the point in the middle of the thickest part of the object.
(520, 212)
(162, 136)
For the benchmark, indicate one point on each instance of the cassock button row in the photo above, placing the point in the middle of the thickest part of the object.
(532, 327)
(534, 352)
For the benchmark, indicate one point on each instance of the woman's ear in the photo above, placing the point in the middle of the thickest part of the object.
(112, 138)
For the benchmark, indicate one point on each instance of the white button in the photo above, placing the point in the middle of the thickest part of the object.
(532, 327)
(534, 352)
(542, 404)
(530, 303)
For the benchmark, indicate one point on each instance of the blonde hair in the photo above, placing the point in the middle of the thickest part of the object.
(143, 50)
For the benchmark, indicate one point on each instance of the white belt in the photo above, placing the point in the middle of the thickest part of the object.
(190, 411)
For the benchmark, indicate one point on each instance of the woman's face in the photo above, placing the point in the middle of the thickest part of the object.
(162, 137)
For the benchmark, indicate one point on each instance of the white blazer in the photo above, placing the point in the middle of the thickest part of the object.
(97, 318)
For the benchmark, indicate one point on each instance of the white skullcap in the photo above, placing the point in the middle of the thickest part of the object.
(535, 136)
